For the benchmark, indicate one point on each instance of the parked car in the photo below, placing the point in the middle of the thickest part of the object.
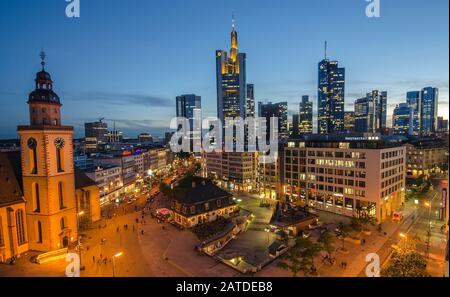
(315, 225)
(277, 249)
(323, 230)
(305, 234)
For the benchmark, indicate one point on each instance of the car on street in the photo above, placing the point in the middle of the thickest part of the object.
(315, 225)
(305, 234)
(397, 216)
(323, 230)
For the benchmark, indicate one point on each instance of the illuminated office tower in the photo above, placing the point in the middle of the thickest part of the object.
(403, 119)
(306, 116)
(429, 107)
(187, 105)
(231, 81)
(414, 100)
(331, 97)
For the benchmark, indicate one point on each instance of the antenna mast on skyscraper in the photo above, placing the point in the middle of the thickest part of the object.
(232, 21)
(325, 49)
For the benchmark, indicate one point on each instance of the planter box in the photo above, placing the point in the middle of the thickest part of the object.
(367, 232)
(353, 240)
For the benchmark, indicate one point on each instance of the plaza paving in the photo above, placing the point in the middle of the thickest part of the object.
(169, 251)
(252, 245)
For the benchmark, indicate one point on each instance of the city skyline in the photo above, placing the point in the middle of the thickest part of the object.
(128, 91)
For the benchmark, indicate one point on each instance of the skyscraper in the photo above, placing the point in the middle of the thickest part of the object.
(370, 112)
(279, 110)
(331, 97)
(250, 101)
(231, 81)
(349, 121)
(429, 108)
(442, 125)
(413, 99)
(95, 133)
(187, 106)
(295, 129)
(403, 119)
(361, 111)
(99, 130)
(306, 116)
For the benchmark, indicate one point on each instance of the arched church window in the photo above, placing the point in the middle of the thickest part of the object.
(59, 144)
(39, 231)
(37, 198)
(32, 146)
(21, 239)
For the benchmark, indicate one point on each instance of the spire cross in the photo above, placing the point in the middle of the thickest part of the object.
(42, 55)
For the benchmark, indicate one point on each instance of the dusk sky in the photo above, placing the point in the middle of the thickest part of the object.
(126, 61)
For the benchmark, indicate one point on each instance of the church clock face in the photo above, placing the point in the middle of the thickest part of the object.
(32, 143)
(59, 143)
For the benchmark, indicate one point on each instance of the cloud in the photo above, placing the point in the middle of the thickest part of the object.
(123, 99)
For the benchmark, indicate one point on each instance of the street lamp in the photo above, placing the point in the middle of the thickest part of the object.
(428, 205)
(267, 230)
(114, 262)
(79, 237)
(405, 239)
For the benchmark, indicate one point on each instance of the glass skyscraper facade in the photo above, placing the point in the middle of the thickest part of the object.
(306, 116)
(331, 97)
(250, 101)
(279, 110)
(429, 107)
(186, 106)
(413, 99)
(371, 112)
(403, 119)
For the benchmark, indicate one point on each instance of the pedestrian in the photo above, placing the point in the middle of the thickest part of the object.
(93, 259)
(142, 231)
(117, 229)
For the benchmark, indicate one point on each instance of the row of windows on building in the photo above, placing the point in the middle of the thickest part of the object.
(329, 171)
(391, 154)
(391, 163)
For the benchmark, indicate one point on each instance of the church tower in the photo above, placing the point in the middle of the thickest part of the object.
(48, 170)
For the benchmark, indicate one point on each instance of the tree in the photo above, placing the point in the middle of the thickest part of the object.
(356, 224)
(406, 261)
(343, 233)
(165, 189)
(326, 240)
(409, 264)
(183, 155)
(301, 257)
(291, 261)
(365, 219)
